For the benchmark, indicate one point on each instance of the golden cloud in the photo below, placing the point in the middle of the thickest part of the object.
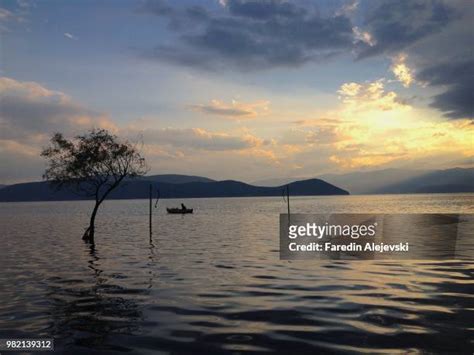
(379, 129)
(29, 108)
(234, 110)
(401, 71)
(363, 36)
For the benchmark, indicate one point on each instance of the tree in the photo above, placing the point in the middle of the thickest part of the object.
(92, 165)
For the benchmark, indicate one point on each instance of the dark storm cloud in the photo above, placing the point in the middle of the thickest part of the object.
(397, 24)
(264, 9)
(437, 34)
(250, 35)
(158, 7)
(458, 99)
(254, 35)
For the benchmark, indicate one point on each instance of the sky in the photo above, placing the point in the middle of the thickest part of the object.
(241, 89)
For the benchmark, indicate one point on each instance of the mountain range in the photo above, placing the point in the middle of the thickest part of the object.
(452, 180)
(185, 188)
(176, 178)
(395, 181)
(387, 181)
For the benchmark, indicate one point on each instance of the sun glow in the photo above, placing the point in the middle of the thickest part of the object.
(376, 127)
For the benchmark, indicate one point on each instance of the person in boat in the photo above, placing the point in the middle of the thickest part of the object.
(183, 207)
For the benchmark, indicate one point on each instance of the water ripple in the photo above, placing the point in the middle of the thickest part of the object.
(213, 284)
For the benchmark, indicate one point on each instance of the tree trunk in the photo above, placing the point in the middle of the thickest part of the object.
(89, 233)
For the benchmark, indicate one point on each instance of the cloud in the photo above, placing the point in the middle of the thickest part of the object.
(264, 9)
(369, 97)
(5, 14)
(437, 36)
(467, 162)
(372, 127)
(348, 9)
(28, 109)
(395, 25)
(363, 37)
(350, 89)
(252, 35)
(29, 114)
(199, 138)
(318, 122)
(401, 71)
(16, 14)
(234, 110)
(394, 146)
(324, 134)
(457, 101)
(210, 153)
(249, 35)
(256, 35)
(6, 17)
(19, 162)
(377, 129)
(70, 36)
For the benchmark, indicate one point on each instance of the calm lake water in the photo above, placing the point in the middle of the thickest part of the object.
(212, 282)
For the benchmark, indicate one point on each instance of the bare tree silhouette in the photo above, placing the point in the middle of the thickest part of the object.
(92, 165)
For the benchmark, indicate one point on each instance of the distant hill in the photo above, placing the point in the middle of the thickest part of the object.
(135, 189)
(359, 182)
(450, 180)
(176, 178)
(395, 181)
(2, 186)
(370, 182)
(278, 181)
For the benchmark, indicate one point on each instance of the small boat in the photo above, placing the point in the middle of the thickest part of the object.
(179, 210)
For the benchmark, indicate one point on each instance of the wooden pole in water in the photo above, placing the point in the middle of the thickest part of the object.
(150, 209)
(288, 200)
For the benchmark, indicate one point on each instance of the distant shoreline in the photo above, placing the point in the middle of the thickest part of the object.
(250, 197)
(448, 181)
(139, 189)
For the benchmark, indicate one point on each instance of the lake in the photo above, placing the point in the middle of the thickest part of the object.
(212, 282)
